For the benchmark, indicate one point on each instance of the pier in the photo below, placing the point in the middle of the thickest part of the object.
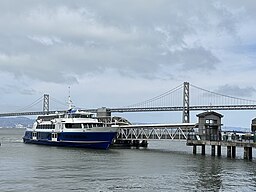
(209, 133)
(230, 145)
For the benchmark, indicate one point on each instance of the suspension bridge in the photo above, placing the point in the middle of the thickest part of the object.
(184, 97)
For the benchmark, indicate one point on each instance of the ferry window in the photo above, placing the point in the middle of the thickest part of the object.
(88, 125)
(80, 116)
(34, 134)
(73, 125)
(47, 118)
(45, 126)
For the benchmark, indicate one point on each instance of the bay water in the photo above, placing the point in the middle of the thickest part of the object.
(162, 166)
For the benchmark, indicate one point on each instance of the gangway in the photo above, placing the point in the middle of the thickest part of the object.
(148, 132)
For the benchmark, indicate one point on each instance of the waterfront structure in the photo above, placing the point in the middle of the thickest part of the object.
(209, 133)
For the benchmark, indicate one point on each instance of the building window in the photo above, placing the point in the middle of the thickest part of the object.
(210, 121)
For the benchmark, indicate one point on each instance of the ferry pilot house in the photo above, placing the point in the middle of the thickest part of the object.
(209, 126)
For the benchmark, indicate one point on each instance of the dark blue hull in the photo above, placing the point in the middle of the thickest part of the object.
(96, 140)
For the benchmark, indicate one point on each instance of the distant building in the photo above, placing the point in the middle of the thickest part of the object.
(209, 125)
(19, 126)
(103, 112)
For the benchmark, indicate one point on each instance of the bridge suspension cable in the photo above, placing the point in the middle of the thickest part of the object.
(37, 101)
(170, 98)
(200, 96)
(60, 103)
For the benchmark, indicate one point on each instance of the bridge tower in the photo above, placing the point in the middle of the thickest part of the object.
(186, 103)
(46, 103)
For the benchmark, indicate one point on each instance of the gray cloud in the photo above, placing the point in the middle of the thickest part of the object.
(235, 90)
(62, 41)
(124, 51)
(26, 91)
(21, 89)
(196, 58)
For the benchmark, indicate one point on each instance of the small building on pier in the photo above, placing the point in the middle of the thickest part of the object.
(209, 126)
(253, 125)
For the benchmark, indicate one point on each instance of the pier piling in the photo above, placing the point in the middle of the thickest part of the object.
(229, 151)
(218, 150)
(233, 151)
(203, 150)
(213, 150)
(248, 153)
(194, 149)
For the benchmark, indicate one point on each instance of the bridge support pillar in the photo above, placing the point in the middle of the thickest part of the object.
(186, 103)
(248, 153)
(194, 149)
(46, 103)
(203, 150)
(218, 150)
(213, 150)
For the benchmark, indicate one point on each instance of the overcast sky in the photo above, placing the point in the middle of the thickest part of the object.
(118, 52)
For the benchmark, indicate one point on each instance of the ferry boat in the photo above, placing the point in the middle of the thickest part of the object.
(72, 128)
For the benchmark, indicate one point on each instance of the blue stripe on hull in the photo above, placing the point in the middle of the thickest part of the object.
(99, 140)
(101, 145)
